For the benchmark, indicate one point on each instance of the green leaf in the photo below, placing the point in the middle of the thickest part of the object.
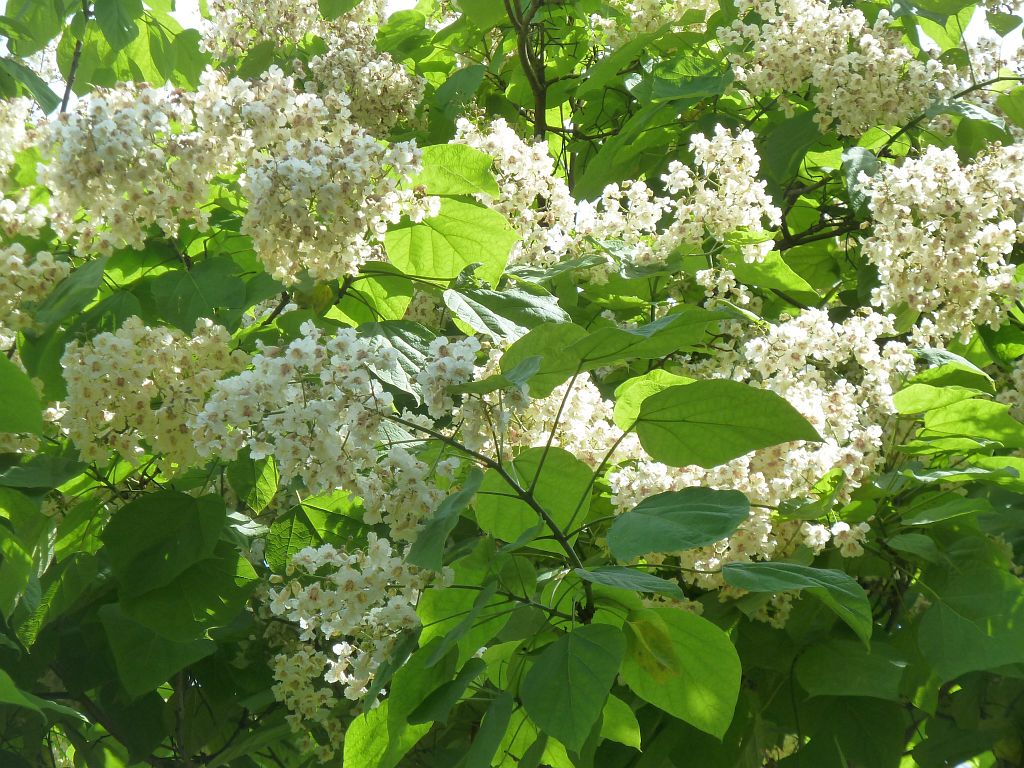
(455, 169)
(151, 540)
(622, 577)
(559, 481)
(857, 160)
(567, 349)
(463, 233)
(876, 673)
(772, 272)
(211, 289)
(977, 622)
(975, 418)
(428, 549)
(1003, 24)
(783, 148)
(72, 294)
(683, 77)
(918, 398)
(42, 471)
(381, 737)
(503, 315)
(11, 694)
(290, 533)
(630, 395)
(566, 688)
(117, 20)
(484, 14)
(254, 481)
(439, 704)
(206, 595)
(492, 730)
(20, 408)
(144, 659)
(838, 590)
(41, 92)
(708, 423)
(472, 613)
(684, 665)
(618, 723)
(677, 520)
(332, 9)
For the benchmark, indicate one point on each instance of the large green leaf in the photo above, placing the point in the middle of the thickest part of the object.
(441, 247)
(711, 422)
(332, 9)
(503, 315)
(684, 665)
(211, 289)
(837, 589)
(207, 595)
(254, 481)
(566, 688)
(976, 624)
(153, 539)
(20, 408)
(632, 579)
(559, 481)
(677, 520)
(876, 672)
(455, 169)
(630, 395)
(977, 419)
(117, 20)
(143, 658)
(492, 729)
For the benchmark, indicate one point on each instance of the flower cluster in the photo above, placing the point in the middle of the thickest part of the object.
(318, 407)
(19, 215)
(24, 279)
(379, 90)
(130, 157)
(133, 391)
(320, 206)
(640, 17)
(942, 237)
(861, 73)
(722, 198)
(347, 607)
(451, 362)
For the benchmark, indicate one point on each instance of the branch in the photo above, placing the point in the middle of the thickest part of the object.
(76, 56)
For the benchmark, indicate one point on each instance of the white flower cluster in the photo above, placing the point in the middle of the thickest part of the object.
(353, 602)
(133, 391)
(379, 90)
(942, 237)
(861, 73)
(321, 191)
(18, 214)
(552, 225)
(722, 198)
(131, 157)
(24, 279)
(14, 131)
(318, 407)
(641, 17)
(323, 206)
(452, 362)
(237, 26)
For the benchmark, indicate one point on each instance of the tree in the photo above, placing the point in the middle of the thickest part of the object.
(601, 383)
